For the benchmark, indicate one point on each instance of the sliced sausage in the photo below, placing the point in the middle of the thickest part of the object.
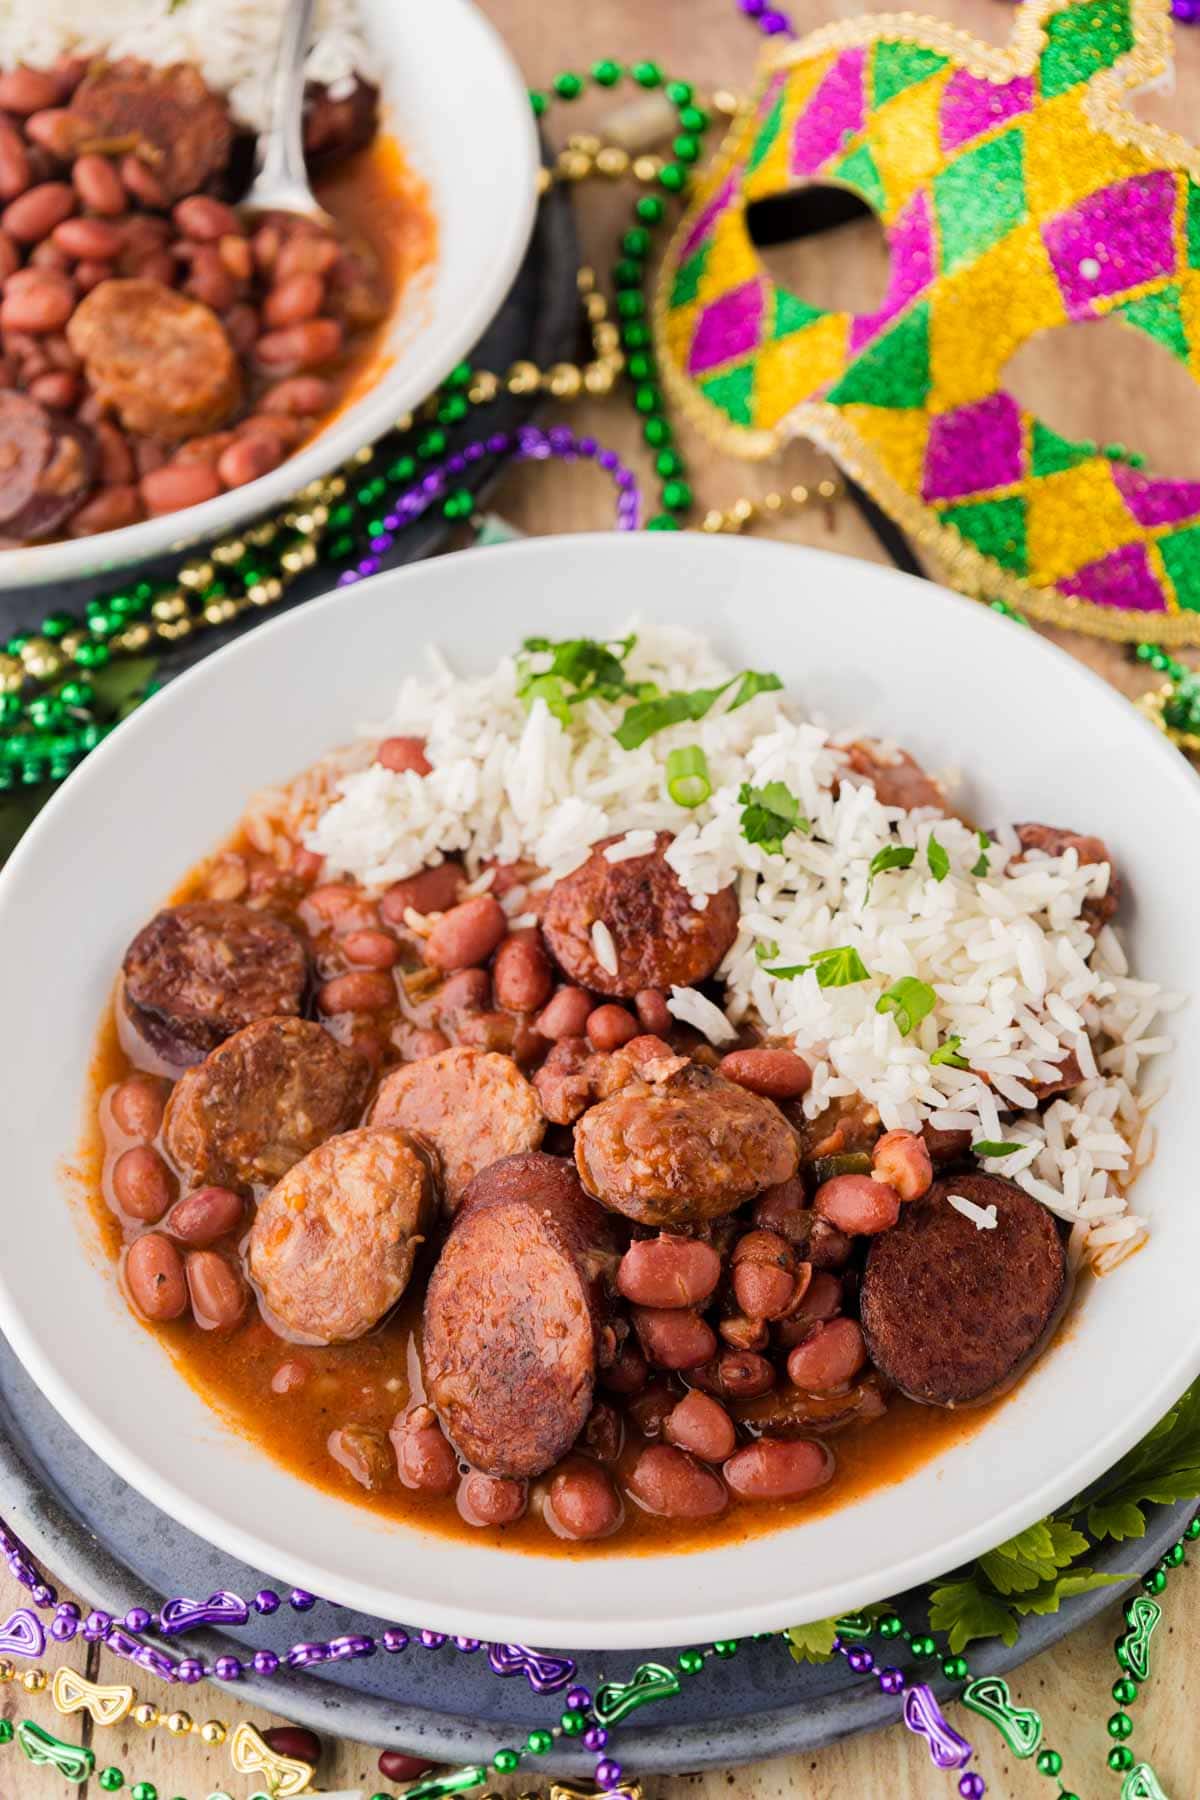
(897, 779)
(333, 1243)
(661, 939)
(25, 439)
(473, 1106)
(512, 1315)
(691, 1148)
(1051, 840)
(62, 485)
(200, 971)
(168, 118)
(262, 1100)
(161, 361)
(952, 1313)
(789, 1412)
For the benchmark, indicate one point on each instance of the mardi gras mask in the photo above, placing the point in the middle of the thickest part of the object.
(1017, 195)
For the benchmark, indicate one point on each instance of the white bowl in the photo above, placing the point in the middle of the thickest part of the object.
(455, 100)
(1038, 737)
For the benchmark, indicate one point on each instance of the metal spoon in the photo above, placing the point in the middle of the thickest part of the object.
(281, 184)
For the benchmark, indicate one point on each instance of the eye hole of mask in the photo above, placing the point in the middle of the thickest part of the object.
(824, 245)
(1144, 399)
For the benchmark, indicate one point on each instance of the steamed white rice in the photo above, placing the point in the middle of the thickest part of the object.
(1019, 979)
(231, 42)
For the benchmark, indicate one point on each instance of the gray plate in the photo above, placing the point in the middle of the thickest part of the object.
(116, 1551)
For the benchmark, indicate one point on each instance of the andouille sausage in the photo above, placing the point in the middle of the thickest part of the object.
(512, 1315)
(898, 779)
(473, 1106)
(333, 1244)
(952, 1313)
(161, 361)
(168, 118)
(201, 971)
(261, 1101)
(25, 438)
(62, 483)
(683, 1151)
(661, 938)
(1052, 840)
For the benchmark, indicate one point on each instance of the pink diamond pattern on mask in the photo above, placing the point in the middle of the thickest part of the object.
(972, 105)
(1156, 502)
(836, 110)
(1113, 241)
(727, 328)
(911, 271)
(1124, 579)
(973, 449)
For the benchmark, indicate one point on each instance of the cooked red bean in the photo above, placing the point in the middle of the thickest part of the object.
(566, 1014)
(209, 280)
(371, 949)
(779, 1074)
(137, 1107)
(155, 1278)
(116, 464)
(610, 1026)
(467, 934)
(305, 396)
(857, 1204)
(829, 1358)
(469, 991)
(142, 183)
(176, 485)
(306, 253)
(650, 1409)
(14, 161)
(98, 185)
(902, 1160)
(288, 1377)
(402, 755)
(665, 1272)
(741, 1331)
(142, 1184)
(292, 301)
(424, 1459)
(237, 257)
(35, 213)
(303, 346)
(205, 1215)
(432, 890)
(249, 458)
(218, 1291)
(10, 257)
(53, 129)
(24, 91)
(294, 1741)
(36, 300)
(701, 1425)
(735, 1375)
(57, 390)
(363, 990)
(241, 327)
(47, 255)
(670, 1483)
(490, 1499)
(653, 1012)
(108, 510)
(822, 1300)
(778, 1468)
(89, 274)
(89, 237)
(582, 1503)
(627, 1372)
(604, 1433)
(521, 975)
(205, 219)
(673, 1339)
(763, 1274)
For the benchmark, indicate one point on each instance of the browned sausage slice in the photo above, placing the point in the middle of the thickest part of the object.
(168, 117)
(163, 362)
(261, 1101)
(951, 1313)
(200, 971)
(688, 1149)
(897, 778)
(62, 484)
(512, 1314)
(661, 938)
(1052, 840)
(473, 1106)
(25, 438)
(334, 1242)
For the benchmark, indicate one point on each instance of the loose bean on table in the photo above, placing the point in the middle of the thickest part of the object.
(829, 1358)
(701, 1425)
(521, 975)
(142, 1184)
(177, 485)
(466, 934)
(778, 1468)
(673, 1485)
(98, 185)
(776, 1074)
(203, 1216)
(154, 1275)
(673, 1339)
(582, 1503)
(218, 1291)
(667, 1272)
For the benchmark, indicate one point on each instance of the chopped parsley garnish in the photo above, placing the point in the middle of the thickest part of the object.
(765, 950)
(980, 866)
(909, 1000)
(939, 862)
(895, 856)
(987, 1147)
(947, 1054)
(754, 682)
(840, 966)
(769, 814)
(688, 780)
(647, 717)
(579, 669)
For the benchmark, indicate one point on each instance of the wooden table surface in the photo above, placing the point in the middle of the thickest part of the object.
(1142, 401)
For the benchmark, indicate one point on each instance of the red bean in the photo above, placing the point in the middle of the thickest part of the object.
(241, 327)
(142, 183)
(673, 1339)
(364, 990)
(735, 1375)
(610, 1026)
(247, 459)
(395, 1766)
(57, 390)
(55, 129)
(778, 1468)
(218, 1291)
(650, 1409)
(424, 1460)
(490, 1500)
(94, 238)
(177, 485)
(209, 280)
(35, 213)
(470, 991)
(137, 1107)
(666, 1272)
(288, 1377)
(857, 1204)
(521, 975)
(604, 1433)
(701, 1425)
(582, 1503)
(763, 1274)
(741, 1332)
(205, 219)
(155, 1277)
(466, 935)
(298, 298)
(627, 1372)
(777, 1074)
(36, 300)
(670, 1483)
(14, 161)
(828, 1358)
(116, 459)
(98, 185)
(432, 890)
(205, 1215)
(822, 1300)
(267, 241)
(24, 91)
(402, 755)
(371, 949)
(10, 258)
(108, 510)
(142, 1184)
(304, 346)
(294, 1741)
(902, 1160)
(653, 1011)
(89, 274)
(566, 1014)
(305, 396)
(306, 253)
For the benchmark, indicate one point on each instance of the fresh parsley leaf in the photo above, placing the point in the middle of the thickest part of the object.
(812, 1643)
(968, 1609)
(751, 683)
(1033, 1557)
(766, 950)
(947, 1054)
(840, 966)
(579, 669)
(980, 865)
(550, 688)
(910, 1000)
(939, 862)
(894, 856)
(655, 714)
(1163, 1468)
(988, 1147)
(769, 814)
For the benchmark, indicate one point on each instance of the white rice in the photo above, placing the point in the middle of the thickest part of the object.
(1019, 979)
(231, 42)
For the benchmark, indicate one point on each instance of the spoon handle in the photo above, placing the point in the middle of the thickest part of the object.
(282, 152)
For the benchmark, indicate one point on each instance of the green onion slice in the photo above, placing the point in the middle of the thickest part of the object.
(688, 781)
